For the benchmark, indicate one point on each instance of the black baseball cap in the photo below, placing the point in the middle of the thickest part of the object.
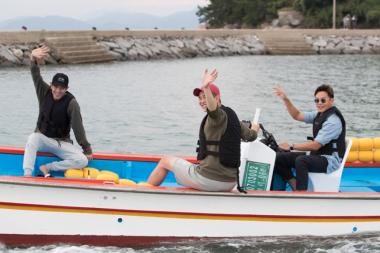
(60, 79)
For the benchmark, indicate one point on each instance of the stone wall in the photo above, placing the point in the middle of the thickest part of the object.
(131, 48)
(15, 47)
(19, 55)
(171, 47)
(333, 44)
(15, 54)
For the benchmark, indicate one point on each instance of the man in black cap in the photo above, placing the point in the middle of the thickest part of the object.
(58, 113)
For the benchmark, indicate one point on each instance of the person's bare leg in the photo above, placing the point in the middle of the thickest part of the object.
(159, 173)
(44, 170)
(293, 183)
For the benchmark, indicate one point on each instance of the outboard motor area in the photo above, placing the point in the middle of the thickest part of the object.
(257, 164)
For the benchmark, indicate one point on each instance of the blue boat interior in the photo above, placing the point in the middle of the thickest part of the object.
(138, 171)
(354, 179)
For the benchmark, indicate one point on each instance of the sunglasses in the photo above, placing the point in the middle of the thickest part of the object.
(320, 101)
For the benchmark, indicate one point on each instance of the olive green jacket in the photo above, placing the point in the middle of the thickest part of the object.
(215, 126)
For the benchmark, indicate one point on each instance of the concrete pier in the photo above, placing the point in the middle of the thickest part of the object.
(78, 49)
(289, 43)
(100, 46)
(39, 36)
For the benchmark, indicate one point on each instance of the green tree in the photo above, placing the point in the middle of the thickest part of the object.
(249, 13)
(317, 13)
(217, 13)
(373, 18)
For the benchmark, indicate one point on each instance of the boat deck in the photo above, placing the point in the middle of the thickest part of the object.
(360, 179)
(357, 177)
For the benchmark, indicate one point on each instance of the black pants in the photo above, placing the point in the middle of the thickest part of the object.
(302, 163)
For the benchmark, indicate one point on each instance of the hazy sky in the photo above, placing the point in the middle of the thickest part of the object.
(83, 8)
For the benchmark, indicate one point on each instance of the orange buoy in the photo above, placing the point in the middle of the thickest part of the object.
(90, 173)
(355, 144)
(365, 156)
(376, 143)
(376, 155)
(365, 144)
(108, 177)
(74, 173)
(110, 173)
(125, 181)
(353, 156)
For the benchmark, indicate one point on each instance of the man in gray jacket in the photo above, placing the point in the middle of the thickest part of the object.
(58, 113)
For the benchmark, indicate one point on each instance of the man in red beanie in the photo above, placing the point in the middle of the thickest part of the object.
(219, 145)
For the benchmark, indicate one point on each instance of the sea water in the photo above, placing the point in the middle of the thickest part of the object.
(148, 108)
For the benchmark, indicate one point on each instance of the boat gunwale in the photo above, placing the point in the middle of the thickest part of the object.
(150, 158)
(84, 184)
(100, 156)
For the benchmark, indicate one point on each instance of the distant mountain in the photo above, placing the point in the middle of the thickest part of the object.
(120, 20)
(185, 19)
(48, 23)
(109, 20)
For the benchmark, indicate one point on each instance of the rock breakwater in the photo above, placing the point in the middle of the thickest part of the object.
(333, 44)
(170, 47)
(15, 47)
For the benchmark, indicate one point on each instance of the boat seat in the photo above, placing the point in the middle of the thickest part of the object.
(328, 182)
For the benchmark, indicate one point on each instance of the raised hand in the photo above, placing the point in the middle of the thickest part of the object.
(89, 157)
(209, 77)
(279, 92)
(284, 146)
(39, 53)
(255, 127)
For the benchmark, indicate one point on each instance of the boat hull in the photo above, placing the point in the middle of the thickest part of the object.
(114, 215)
(39, 211)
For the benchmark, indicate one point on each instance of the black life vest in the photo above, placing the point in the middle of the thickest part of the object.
(337, 145)
(53, 120)
(229, 144)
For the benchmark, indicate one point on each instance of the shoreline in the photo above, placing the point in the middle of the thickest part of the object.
(99, 46)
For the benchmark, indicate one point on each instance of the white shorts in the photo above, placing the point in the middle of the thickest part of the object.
(186, 174)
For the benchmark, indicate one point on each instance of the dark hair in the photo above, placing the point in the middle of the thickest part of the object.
(326, 88)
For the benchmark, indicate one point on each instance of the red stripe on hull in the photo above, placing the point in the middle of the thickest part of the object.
(362, 165)
(23, 240)
(184, 214)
